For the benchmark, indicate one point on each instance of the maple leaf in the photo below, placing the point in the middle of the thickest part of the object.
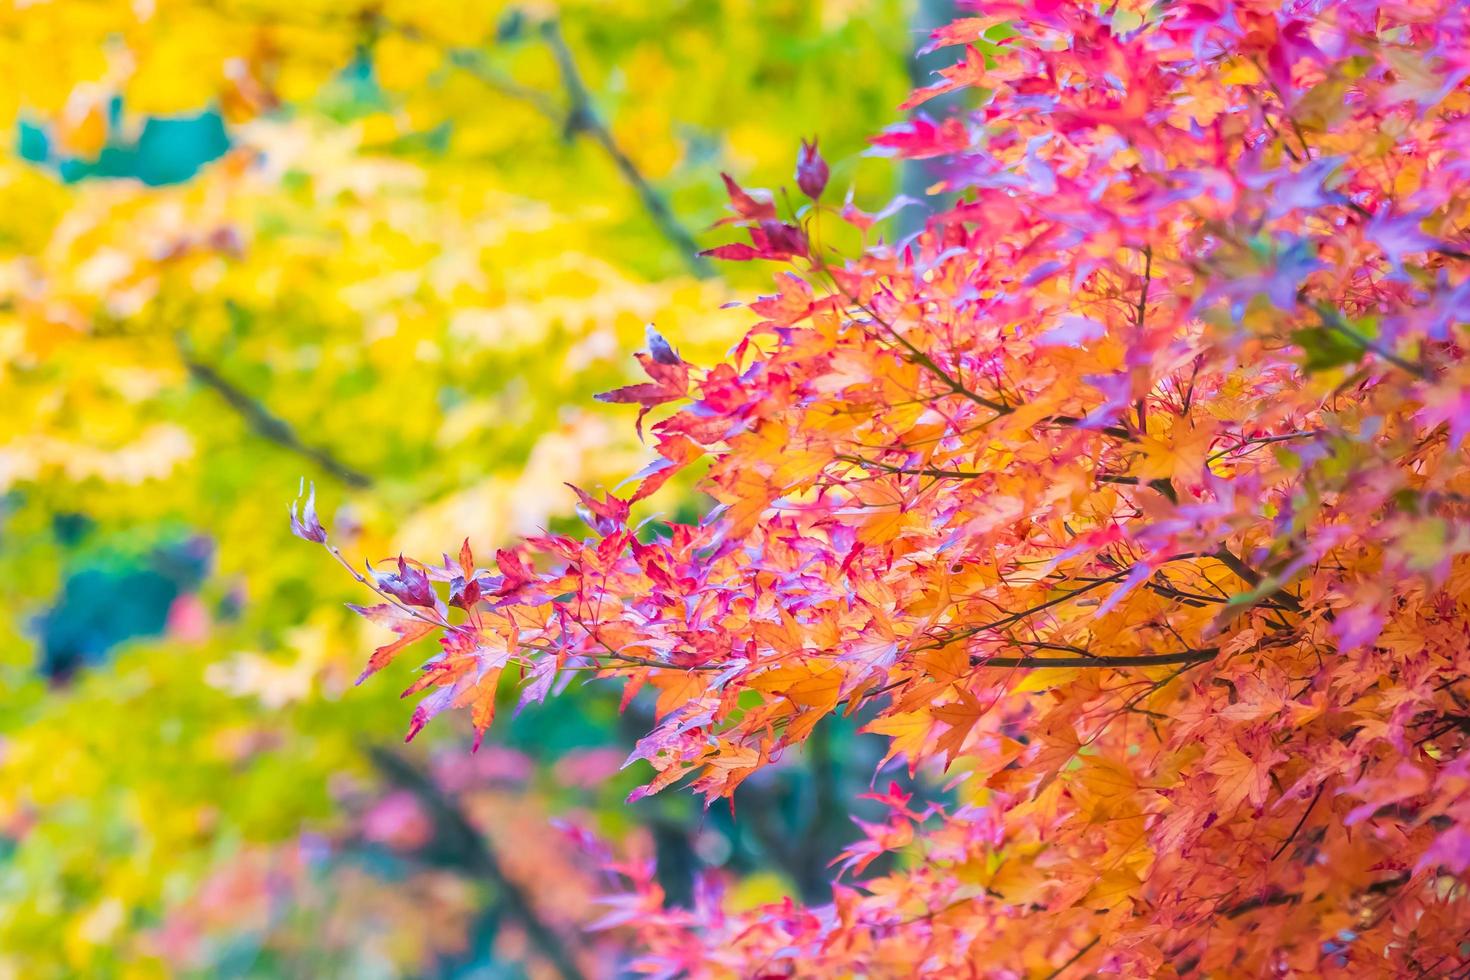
(1240, 779)
(1177, 456)
(669, 374)
(908, 733)
(745, 206)
(408, 627)
(1450, 850)
(1398, 236)
(922, 138)
(409, 585)
(675, 688)
(961, 717)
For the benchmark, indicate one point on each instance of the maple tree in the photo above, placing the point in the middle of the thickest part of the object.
(1128, 499)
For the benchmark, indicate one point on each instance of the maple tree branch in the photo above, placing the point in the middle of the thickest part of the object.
(578, 117)
(581, 116)
(1300, 822)
(903, 471)
(1277, 898)
(388, 597)
(455, 830)
(1290, 898)
(955, 386)
(1072, 421)
(1140, 313)
(1016, 617)
(471, 63)
(1270, 126)
(929, 364)
(1290, 119)
(1073, 958)
(1254, 578)
(1332, 321)
(1439, 249)
(265, 423)
(915, 354)
(1188, 598)
(1091, 660)
(628, 658)
(1044, 645)
(1262, 441)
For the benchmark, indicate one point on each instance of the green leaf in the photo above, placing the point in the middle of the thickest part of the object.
(1325, 349)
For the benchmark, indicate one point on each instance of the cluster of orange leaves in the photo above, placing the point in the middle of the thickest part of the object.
(1131, 495)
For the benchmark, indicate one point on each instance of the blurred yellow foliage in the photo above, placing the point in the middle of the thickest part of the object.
(403, 278)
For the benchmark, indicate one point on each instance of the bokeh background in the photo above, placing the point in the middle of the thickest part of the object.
(392, 248)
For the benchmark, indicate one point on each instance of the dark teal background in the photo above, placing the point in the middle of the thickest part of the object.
(168, 150)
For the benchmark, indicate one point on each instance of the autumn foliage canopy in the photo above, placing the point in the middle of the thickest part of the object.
(1128, 500)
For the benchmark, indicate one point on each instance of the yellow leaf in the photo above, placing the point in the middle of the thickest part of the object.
(1102, 785)
(1241, 778)
(1017, 880)
(947, 663)
(1112, 889)
(675, 689)
(909, 731)
(1179, 454)
(1241, 72)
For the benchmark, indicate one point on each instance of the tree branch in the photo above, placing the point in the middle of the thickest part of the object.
(266, 424)
(922, 359)
(1138, 660)
(1083, 951)
(1254, 578)
(579, 116)
(1289, 898)
(1334, 322)
(1140, 314)
(1016, 617)
(937, 473)
(1300, 822)
(1439, 249)
(457, 832)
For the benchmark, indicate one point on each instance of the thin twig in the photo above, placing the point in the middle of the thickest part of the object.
(1262, 441)
(936, 472)
(1273, 899)
(1073, 959)
(1300, 823)
(916, 356)
(1139, 317)
(1017, 617)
